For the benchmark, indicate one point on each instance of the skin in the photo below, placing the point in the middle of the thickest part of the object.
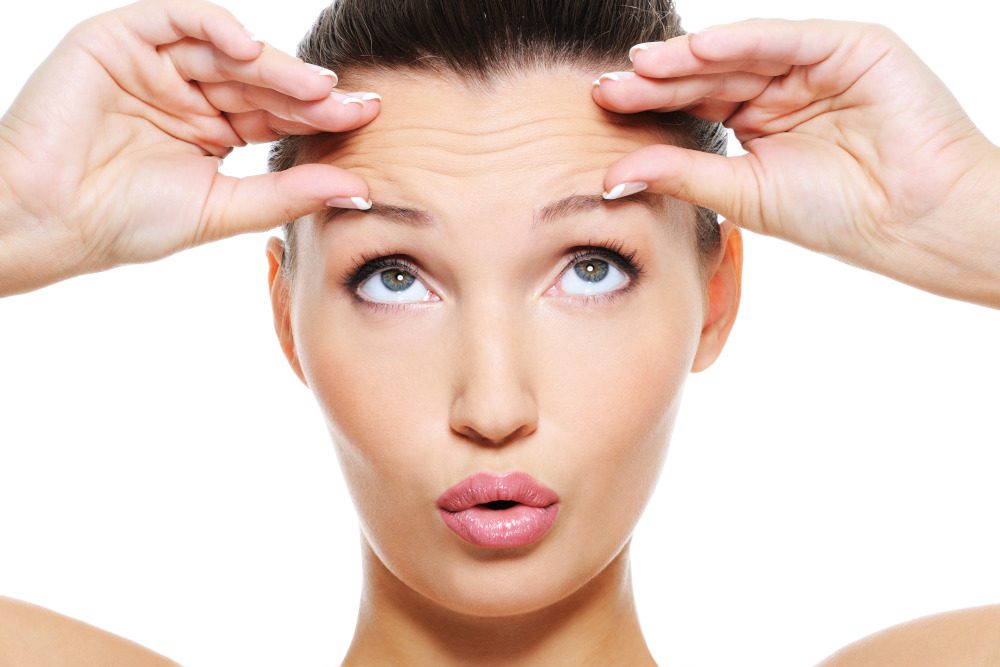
(797, 94)
(502, 370)
(31, 635)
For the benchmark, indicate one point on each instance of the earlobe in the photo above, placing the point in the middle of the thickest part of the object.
(723, 294)
(278, 286)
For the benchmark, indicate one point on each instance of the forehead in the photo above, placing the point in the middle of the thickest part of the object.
(442, 145)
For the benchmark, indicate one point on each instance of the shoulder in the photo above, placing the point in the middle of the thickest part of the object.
(961, 638)
(31, 635)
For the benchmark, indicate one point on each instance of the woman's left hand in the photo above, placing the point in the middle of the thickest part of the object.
(854, 147)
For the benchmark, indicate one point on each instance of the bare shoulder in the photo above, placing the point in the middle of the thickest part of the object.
(960, 638)
(33, 636)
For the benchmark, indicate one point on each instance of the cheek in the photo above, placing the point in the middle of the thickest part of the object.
(382, 393)
(614, 386)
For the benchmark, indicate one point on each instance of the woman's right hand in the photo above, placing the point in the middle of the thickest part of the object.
(110, 154)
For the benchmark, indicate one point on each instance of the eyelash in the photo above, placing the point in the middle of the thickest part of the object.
(369, 263)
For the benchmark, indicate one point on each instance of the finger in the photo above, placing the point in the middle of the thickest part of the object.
(632, 93)
(790, 42)
(337, 112)
(675, 57)
(196, 60)
(719, 183)
(262, 126)
(258, 203)
(777, 42)
(716, 111)
(165, 21)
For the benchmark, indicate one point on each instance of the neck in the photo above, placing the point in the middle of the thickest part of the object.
(597, 624)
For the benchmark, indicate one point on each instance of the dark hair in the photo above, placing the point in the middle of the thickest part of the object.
(481, 41)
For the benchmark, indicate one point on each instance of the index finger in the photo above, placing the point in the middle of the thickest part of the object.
(159, 22)
(762, 46)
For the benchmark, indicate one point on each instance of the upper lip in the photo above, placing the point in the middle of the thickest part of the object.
(485, 487)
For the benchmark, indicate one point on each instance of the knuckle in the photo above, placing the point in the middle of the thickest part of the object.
(882, 32)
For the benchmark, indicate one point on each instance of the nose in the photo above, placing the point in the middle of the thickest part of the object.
(494, 402)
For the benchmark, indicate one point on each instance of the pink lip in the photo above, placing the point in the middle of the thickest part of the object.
(460, 507)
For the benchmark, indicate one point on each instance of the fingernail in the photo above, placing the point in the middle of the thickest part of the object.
(638, 47)
(350, 202)
(625, 189)
(324, 71)
(253, 36)
(366, 96)
(614, 76)
(346, 99)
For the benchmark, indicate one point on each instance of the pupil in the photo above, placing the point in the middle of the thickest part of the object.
(593, 270)
(396, 280)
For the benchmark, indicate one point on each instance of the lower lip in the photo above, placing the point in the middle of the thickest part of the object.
(516, 526)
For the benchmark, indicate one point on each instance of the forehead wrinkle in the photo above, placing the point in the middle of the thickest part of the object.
(390, 140)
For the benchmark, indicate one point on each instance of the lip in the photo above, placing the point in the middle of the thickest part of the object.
(460, 507)
(485, 487)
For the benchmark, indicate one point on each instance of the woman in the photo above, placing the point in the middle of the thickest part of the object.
(486, 357)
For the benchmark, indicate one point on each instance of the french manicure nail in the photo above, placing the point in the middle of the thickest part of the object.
(625, 189)
(614, 76)
(638, 47)
(359, 203)
(366, 96)
(324, 71)
(346, 99)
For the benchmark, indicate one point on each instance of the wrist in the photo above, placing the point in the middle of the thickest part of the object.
(30, 257)
(957, 254)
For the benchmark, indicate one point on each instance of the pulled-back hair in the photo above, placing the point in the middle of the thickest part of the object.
(483, 41)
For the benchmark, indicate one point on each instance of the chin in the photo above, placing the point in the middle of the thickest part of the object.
(484, 592)
(505, 582)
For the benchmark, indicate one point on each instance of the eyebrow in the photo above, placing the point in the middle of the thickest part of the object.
(552, 212)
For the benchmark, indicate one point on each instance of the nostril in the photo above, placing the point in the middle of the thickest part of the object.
(499, 504)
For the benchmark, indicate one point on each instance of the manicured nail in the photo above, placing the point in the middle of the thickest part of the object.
(253, 36)
(346, 99)
(625, 189)
(614, 76)
(366, 96)
(324, 71)
(638, 47)
(350, 202)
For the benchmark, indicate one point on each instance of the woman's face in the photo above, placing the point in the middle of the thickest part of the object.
(493, 356)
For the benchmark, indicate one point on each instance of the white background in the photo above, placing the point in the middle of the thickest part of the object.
(163, 475)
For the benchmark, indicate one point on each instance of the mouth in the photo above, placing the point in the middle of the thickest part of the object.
(499, 511)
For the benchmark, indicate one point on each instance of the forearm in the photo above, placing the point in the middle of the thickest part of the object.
(958, 256)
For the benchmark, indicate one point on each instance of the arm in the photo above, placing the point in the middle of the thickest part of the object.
(962, 638)
(32, 636)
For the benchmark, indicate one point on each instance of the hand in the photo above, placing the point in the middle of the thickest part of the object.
(110, 153)
(854, 147)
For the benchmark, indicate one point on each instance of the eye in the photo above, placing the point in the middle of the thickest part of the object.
(591, 275)
(596, 271)
(396, 284)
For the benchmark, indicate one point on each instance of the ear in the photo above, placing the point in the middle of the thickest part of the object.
(723, 296)
(278, 285)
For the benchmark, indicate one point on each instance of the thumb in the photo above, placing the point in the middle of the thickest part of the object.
(722, 184)
(262, 202)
